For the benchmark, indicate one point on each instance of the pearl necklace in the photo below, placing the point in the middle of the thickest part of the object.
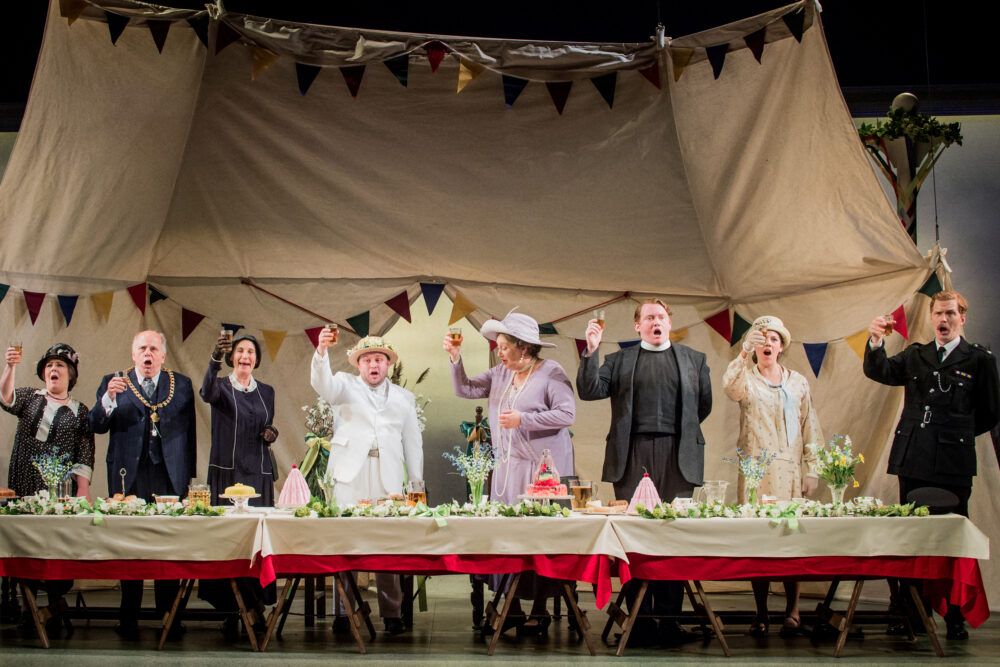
(508, 398)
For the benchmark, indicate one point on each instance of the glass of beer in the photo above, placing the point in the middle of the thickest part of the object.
(599, 316)
(335, 330)
(416, 493)
(198, 491)
(16, 344)
(581, 491)
(228, 335)
(456, 336)
(890, 322)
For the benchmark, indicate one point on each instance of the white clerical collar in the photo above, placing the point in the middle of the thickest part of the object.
(239, 387)
(654, 348)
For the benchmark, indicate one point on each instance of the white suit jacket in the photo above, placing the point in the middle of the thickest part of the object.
(365, 423)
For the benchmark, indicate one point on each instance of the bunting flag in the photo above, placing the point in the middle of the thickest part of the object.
(581, 347)
(156, 295)
(138, 294)
(652, 74)
(273, 341)
(102, 303)
(360, 323)
(605, 85)
(313, 335)
(512, 87)
(755, 42)
(262, 59)
(116, 25)
(306, 74)
(67, 304)
(232, 327)
(467, 71)
(3, 291)
(677, 335)
(720, 322)
(680, 58)
(795, 22)
(224, 36)
(932, 286)
(628, 343)
(431, 292)
(858, 342)
(717, 56)
(73, 9)
(548, 328)
(815, 352)
(900, 316)
(400, 305)
(559, 92)
(158, 29)
(493, 345)
(189, 320)
(400, 67)
(199, 24)
(33, 300)
(740, 327)
(460, 308)
(435, 54)
(352, 77)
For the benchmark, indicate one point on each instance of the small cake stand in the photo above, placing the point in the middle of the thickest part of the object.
(544, 500)
(240, 503)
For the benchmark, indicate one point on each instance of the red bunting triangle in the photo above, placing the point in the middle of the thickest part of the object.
(435, 54)
(900, 316)
(400, 304)
(559, 92)
(138, 294)
(33, 300)
(493, 345)
(581, 346)
(313, 334)
(755, 42)
(720, 322)
(352, 77)
(189, 320)
(652, 74)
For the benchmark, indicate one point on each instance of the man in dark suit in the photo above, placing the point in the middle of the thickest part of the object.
(952, 395)
(660, 393)
(149, 412)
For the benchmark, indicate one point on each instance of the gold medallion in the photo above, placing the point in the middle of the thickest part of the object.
(155, 417)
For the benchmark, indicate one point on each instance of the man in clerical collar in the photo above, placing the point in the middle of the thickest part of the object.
(660, 393)
(376, 439)
(952, 395)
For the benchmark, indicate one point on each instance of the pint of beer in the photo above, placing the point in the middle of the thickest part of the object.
(581, 491)
(456, 336)
(335, 330)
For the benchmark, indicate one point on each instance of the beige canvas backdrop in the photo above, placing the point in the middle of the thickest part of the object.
(750, 191)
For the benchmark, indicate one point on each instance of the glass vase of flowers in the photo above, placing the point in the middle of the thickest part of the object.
(752, 468)
(475, 465)
(53, 469)
(834, 464)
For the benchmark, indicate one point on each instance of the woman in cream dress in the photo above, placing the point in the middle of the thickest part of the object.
(777, 416)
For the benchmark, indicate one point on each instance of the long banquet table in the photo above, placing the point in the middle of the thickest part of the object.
(943, 549)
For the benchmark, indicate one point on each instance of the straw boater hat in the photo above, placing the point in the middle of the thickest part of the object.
(771, 323)
(517, 325)
(372, 344)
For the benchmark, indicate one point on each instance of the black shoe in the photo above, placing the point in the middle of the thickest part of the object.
(341, 625)
(128, 631)
(394, 626)
(644, 634)
(790, 628)
(898, 629)
(957, 631)
(535, 626)
(673, 635)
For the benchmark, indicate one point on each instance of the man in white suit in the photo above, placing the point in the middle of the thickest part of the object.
(376, 435)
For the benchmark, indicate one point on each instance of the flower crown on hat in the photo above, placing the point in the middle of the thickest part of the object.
(370, 343)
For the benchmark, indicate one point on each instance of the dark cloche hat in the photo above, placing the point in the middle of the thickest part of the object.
(59, 351)
(229, 357)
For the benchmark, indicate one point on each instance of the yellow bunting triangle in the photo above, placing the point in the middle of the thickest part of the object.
(467, 71)
(262, 59)
(858, 342)
(460, 308)
(273, 340)
(677, 335)
(102, 302)
(680, 58)
(72, 9)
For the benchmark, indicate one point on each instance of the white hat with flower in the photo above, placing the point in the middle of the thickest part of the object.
(372, 344)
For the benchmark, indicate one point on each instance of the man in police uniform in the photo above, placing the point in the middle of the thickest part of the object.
(952, 395)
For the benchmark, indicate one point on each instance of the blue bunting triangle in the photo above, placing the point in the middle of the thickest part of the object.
(116, 25)
(360, 323)
(628, 343)
(512, 87)
(815, 352)
(431, 292)
(400, 67)
(605, 85)
(232, 327)
(306, 74)
(717, 56)
(67, 304)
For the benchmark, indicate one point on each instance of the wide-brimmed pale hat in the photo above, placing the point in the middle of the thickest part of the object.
(372, 344)
(771, 323)
(518, 325)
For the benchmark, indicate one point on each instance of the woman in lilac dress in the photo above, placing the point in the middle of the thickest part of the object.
(531, 407)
